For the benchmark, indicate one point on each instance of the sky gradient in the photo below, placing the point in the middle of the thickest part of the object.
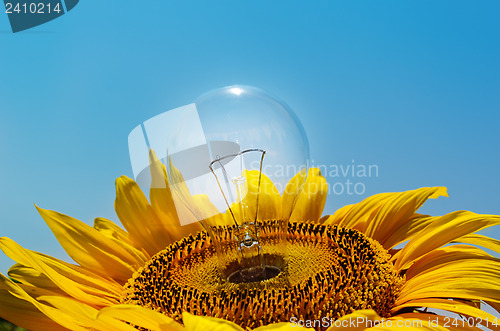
(412, 87)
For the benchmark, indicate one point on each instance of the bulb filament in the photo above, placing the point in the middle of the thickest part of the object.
(247, 232)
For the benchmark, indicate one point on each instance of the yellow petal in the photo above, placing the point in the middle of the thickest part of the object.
(204, 323)
(73, 280)
(24, 314)
(141, 317)
(163, 203)
(441, 232)
(267, 198)
(33, 282)
(359, 320)
(338, 217)
(111, 230)
(160, 194)
(283, 326)
(480, 240)
(312, 199)
(380, 215)
(356, 215)
(262, 203)
(408, 230)
(452, 306)
(189, 209)
(445, 255)
(398, 209)
(86, 315)
(221, 219)
(30, 276)
(469, 279)
(292, 193)
(144, 226)
(66, 320)
(120, 237)
(90, 248)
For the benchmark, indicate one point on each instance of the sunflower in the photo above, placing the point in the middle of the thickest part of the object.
(376, 264)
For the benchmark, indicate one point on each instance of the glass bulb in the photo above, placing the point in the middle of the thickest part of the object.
(236, 161)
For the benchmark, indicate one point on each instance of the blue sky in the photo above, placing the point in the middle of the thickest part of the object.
(409, 86)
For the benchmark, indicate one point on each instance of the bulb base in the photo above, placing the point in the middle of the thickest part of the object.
(254, 274)
(271, 265)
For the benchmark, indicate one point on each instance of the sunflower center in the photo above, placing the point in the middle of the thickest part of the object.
(331, 272)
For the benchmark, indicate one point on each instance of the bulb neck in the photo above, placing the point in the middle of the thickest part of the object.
(249, 247)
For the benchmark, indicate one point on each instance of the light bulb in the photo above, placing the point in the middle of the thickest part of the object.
(236, 160)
